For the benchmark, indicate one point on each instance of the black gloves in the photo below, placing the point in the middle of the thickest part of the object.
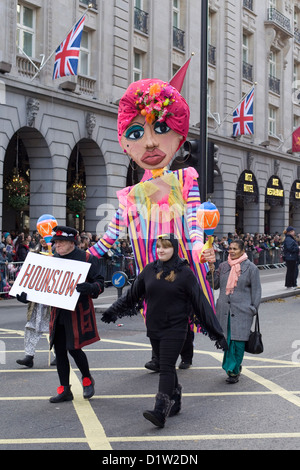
(86, 288)
(108, 317)
(222, 344)
(22, 298)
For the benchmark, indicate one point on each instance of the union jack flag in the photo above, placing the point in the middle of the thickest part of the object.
(243, 116)
(67, 54)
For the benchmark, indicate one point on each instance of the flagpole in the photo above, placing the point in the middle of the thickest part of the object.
(230, 112)
(192, 55)
(282, 143)
(90, 5)
(27, 57)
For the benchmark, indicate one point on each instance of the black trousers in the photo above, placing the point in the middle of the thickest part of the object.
(291, 273)
(62, 360)
(167, 352)
(187, 351)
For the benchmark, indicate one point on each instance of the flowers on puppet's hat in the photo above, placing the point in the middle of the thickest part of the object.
(154, 103)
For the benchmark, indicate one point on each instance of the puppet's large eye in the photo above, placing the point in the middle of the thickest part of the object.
(161, 127)
(134, 132)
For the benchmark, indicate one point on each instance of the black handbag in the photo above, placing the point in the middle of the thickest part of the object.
(254, 345)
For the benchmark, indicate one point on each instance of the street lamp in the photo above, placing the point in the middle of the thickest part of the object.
(203, 102)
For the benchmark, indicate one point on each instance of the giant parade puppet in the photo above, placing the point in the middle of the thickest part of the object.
(153, 123)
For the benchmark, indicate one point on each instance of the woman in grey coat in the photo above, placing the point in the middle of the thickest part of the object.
(240, 294)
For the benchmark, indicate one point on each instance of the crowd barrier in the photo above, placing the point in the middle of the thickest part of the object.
(263, 260)
(9, 271)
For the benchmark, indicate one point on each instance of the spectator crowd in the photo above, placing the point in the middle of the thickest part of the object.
(262, 249)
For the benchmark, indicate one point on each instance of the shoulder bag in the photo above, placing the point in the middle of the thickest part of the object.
(254, 345)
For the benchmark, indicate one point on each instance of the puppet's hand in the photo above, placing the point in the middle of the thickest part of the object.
(203, 253)
(108, 316)
(197, 248)
(208, 256)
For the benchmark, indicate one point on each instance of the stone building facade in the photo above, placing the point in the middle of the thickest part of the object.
(56, 132)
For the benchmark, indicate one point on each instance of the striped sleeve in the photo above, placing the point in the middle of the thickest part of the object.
(111, 235)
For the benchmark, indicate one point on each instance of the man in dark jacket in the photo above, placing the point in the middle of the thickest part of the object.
(291, 254)
(70, 331)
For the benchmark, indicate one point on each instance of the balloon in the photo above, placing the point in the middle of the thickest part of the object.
(208, 217)
(45, 226)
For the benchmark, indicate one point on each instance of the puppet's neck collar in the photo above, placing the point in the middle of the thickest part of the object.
(158, 172)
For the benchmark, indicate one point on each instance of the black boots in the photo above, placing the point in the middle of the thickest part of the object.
(88, 387)
(161, 410)
(27, 361)
(63, 394)
(176, 398)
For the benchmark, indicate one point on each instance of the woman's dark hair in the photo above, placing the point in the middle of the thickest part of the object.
(240, 243)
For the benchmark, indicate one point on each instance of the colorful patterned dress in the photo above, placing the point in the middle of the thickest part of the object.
(145, 220)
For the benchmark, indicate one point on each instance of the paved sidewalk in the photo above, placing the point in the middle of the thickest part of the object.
(272, 288)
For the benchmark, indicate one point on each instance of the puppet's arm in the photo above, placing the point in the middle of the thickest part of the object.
(111, 235)
(193, 202)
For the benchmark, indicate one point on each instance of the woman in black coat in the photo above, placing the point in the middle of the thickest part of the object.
(171, 293)
(291, 254)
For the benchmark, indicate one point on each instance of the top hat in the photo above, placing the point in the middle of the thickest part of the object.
(64, 233)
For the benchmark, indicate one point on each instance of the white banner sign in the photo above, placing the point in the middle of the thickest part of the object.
(50, 281)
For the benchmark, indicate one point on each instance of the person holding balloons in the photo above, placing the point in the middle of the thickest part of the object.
(240, 294)
(171, 290)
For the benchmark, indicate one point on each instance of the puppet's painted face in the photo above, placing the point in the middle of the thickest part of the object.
(151, 146)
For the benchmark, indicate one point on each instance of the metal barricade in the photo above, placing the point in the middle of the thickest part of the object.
(118, 263)
(8, 273)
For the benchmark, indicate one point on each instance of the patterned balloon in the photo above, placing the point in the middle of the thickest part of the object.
(45, 226)
(208, 217)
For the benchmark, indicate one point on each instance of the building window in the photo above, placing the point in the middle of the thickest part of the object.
(26, 27)
(272, 121)
(247, 67)
(176, 13)
(84, 57)
(137, 67)
(88, 2)
(274, 82)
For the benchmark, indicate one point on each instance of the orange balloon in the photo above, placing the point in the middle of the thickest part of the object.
(45, 226)
(208, 217)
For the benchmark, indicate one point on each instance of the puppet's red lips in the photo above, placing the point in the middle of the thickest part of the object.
(153, 158)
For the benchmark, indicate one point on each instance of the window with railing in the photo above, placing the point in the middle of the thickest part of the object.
(248, 4)
(212, 55)
(279, 19)
(247, 67)
(178, 38)
(178, 34)
(141, 20)
(274, 82)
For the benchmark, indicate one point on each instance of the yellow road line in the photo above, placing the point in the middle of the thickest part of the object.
(45, 440)
(273, 387)
(92, 427)
(155, 438)
(206, 437)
